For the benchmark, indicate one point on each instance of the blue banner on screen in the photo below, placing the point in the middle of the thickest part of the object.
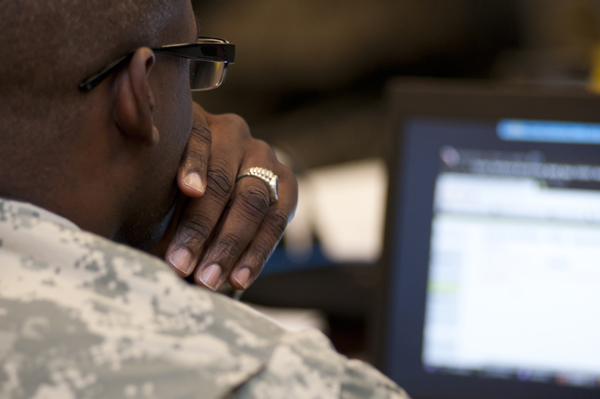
(548, 131)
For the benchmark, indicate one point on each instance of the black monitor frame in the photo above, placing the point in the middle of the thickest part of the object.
(409, 98)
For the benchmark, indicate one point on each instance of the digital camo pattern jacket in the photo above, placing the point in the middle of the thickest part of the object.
(83, 317)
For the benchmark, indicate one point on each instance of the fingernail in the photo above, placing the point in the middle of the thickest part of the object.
(194, 181)
(210, 276)
(242, 277)
(181, 259)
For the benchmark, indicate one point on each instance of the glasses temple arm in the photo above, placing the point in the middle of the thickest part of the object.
(93, 81)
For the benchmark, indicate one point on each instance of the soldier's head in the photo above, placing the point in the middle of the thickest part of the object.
(105, 158)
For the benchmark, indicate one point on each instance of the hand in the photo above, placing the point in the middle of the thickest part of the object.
(227, 229)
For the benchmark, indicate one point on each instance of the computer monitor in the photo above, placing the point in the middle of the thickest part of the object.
(492, 248)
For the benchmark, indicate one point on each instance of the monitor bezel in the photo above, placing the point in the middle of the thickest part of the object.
(417, 98)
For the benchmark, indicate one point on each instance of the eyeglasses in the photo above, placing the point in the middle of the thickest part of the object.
(209, 58)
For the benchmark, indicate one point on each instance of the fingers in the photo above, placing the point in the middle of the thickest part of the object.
(229, 232)
(268, 234)
(248, 208)
(191, 177)
(200, 217)
(252, 227)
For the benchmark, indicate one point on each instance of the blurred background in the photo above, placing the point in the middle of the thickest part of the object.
(310, 78)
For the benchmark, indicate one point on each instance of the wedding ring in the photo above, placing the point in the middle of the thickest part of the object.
(270, 179)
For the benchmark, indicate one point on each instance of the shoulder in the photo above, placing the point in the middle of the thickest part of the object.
(306, 365)
(81, 316)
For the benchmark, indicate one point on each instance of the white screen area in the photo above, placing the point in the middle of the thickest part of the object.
(514, 276)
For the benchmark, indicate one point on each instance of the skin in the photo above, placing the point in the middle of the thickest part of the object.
(229, 233)
(220, 229)
(149, 166)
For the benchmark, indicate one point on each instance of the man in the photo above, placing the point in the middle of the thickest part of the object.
(91, 158)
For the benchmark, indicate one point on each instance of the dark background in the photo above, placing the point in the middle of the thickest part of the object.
(310, 74)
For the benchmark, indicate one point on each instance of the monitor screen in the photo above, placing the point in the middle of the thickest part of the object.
(496, 259)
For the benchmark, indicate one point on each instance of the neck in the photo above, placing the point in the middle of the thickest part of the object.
(74, 201)
(59, 172)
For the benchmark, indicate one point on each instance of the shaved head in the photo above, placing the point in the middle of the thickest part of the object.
(51, 45)
(92, 156)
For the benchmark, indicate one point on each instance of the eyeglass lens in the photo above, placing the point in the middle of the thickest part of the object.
(206, 75)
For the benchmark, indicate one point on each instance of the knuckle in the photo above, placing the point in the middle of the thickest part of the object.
(254, 201)
(201, 133)
(229, 246)
(277, 223)
(265, 151)
(220, 180)
(266, 147)
(262, 252)
(238, 123)
(194, 229)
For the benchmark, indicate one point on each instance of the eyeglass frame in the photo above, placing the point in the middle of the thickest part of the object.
(211, 49)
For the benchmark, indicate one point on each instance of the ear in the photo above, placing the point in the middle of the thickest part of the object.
(134, 103)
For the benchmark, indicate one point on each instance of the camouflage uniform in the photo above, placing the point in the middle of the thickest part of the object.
(83, 317)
